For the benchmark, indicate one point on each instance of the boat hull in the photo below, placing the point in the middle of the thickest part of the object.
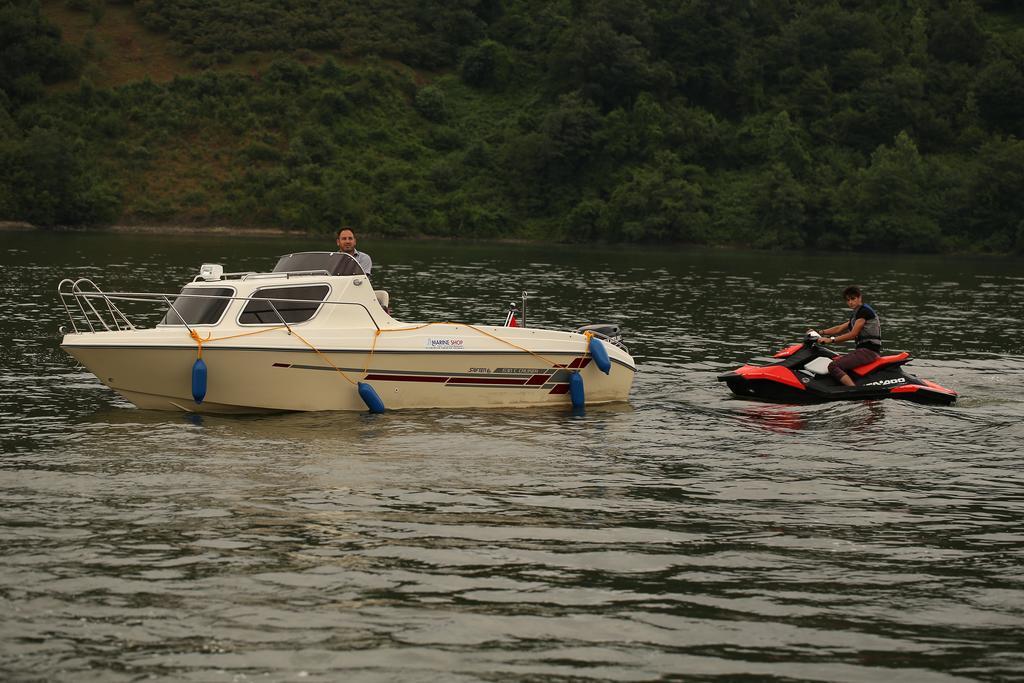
(244, 380)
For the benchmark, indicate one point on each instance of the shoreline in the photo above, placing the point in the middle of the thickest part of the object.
(241, 231)
(221, 230)
(20, 226)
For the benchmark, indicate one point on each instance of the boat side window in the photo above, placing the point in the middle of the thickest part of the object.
(199, 306)
(295, 304)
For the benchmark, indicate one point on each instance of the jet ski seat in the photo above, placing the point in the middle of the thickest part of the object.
(882, 362)
(819, 366)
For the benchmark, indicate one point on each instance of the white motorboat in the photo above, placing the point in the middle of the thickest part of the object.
(314, 335)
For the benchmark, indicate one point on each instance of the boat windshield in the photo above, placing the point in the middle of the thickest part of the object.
(333, 262)
(205, 307)
(292, 304)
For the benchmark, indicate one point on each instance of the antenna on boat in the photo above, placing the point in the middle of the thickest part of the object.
(524, 308)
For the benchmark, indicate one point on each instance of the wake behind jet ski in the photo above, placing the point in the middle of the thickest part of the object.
(801, 376)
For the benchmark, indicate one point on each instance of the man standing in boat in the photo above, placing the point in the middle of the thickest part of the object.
(347, 244)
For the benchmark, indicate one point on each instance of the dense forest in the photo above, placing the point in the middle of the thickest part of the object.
(835, 124)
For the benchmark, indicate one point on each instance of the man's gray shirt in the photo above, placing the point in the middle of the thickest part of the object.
(363, 259)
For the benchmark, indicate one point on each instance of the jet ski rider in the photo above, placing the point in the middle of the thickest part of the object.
(864, 326)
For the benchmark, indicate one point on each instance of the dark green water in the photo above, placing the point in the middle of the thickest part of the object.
(686, 535)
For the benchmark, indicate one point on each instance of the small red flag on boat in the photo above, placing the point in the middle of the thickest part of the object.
(510, 320)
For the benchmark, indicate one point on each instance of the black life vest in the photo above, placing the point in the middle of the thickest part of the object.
(871, 333)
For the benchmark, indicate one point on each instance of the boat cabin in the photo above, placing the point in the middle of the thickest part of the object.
(294, 292)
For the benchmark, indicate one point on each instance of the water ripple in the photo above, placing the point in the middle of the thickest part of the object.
(686, 535)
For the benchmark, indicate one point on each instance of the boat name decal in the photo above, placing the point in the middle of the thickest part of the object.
(883, 382)
(446, 343)
(518, 371)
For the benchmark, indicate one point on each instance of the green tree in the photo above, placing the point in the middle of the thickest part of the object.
(996, 203)
(546, 161)
(486, 65)
(662, 202)
(53, 182)
(891, 204)
(431, 103)
(603, 56)
(780, 209)
(955, 34)
(1000, 93)
(31, 51)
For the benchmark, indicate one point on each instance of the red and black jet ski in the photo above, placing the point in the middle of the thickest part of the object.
(801, 376)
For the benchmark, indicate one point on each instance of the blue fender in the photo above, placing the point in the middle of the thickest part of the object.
(199, 380)
(576, 392)
(370, 398)
(600, 355)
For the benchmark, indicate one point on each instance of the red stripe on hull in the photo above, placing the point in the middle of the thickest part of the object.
(487, 380)
(407, 378)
